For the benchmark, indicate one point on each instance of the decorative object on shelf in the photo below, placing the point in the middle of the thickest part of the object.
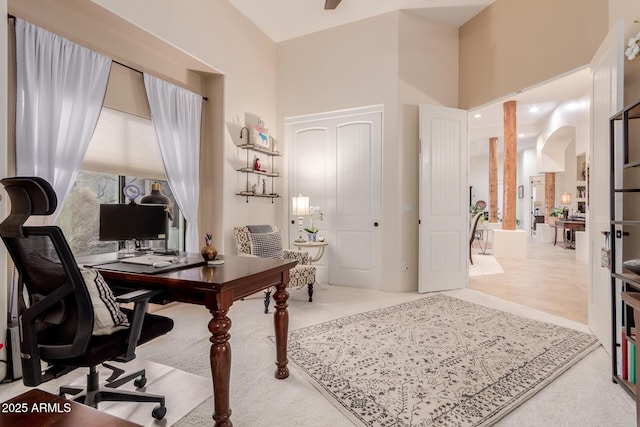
(300, 208)
(520, 191)
(208, 251)
(264, 186)
(257, 166)
(259, 137)
(632, 265)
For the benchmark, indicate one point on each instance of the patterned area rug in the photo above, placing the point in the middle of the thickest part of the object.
(437, 361)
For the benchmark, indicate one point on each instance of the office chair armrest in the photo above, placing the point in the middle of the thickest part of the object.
(135, 296)
(140, 298)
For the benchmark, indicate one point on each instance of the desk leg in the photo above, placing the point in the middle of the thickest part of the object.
(220, 356)
(281, 326)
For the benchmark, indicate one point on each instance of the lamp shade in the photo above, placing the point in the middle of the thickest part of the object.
(300, 205)
(565, 199)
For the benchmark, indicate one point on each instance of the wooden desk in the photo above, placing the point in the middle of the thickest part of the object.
(217, 288)
(52, 410)
(572, 226)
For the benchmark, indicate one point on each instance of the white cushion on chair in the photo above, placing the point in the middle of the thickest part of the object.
(266, 245)
(107, 316)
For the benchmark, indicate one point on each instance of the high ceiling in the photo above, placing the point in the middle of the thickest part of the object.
(286, 19)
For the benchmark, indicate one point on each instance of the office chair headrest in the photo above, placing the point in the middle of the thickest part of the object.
(29, 196)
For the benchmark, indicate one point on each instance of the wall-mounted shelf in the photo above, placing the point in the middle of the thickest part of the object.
(266, 171)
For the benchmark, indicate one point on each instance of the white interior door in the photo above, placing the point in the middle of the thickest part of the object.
(606, 99)
(336, 161)
(444, 214)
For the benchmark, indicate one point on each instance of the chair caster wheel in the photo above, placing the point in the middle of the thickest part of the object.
(159, 412)
(140, 382)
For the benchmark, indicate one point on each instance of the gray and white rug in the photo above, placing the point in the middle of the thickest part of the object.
(437, 361)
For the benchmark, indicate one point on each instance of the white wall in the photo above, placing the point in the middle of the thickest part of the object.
(388, 60)
(526, 169)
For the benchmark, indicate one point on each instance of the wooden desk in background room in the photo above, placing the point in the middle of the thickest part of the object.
(217, 288)
(572, 226)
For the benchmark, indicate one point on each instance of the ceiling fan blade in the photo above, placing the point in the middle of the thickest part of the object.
(331, 4)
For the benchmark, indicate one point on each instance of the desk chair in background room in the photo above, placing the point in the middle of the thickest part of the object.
(473, 227)
(265, 242)
(58, 323)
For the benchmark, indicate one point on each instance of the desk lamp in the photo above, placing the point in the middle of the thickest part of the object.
(565, 200)
(300, 208)
(157, 198)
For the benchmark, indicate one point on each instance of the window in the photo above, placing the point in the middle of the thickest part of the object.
(79, 218)
(123, 149)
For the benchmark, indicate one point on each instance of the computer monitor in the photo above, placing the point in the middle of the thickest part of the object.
(133, 222)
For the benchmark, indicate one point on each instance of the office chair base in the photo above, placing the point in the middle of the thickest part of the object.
(94, 393)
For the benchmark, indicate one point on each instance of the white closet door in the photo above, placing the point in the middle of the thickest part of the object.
(335, 159)
(444, 226)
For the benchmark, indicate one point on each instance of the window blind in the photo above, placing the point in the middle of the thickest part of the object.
(124, 144)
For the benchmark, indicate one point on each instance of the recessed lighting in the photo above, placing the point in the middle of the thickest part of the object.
(533, 109)
(521, 135)
(477, 115)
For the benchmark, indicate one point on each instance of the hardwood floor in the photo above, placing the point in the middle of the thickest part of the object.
(550, 280)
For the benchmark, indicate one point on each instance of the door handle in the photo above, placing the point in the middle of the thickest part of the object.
(375, 224)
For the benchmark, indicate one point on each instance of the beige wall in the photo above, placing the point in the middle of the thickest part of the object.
(165, 40)
(390, 60)
(515, 44)
(219, 36)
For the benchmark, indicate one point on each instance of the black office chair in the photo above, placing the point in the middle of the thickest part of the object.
(56, 315)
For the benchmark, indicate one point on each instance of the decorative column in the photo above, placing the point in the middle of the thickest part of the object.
(549, 194)
(509, 171)
(493, 179)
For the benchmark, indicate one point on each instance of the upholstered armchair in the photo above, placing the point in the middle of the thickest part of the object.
(266, 242)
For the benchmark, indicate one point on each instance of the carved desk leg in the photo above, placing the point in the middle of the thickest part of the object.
(220, 356)
(281, 326)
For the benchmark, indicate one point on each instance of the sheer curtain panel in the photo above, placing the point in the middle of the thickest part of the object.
(176, 115)
(60, 89)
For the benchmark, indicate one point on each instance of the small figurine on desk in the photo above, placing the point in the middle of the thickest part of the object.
(257, 166)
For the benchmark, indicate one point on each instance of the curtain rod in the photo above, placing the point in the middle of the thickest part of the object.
(9, 16)
(138, 71)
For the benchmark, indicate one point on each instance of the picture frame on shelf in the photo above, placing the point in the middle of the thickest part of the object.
(259, 136)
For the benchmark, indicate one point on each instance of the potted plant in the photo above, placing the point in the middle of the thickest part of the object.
(554, 214)
(312, 233)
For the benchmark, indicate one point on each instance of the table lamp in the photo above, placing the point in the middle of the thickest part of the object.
(565, 200)
(300, 208)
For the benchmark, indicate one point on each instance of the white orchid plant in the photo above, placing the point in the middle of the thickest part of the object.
(314, 211)
(633, 47)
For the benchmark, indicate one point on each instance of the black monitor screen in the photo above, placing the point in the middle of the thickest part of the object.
(128, 222)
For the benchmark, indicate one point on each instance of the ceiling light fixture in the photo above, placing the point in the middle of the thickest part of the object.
(533, 109)
(477, 115)
(521, 135)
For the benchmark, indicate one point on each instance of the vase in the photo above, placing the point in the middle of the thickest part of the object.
(209, 252)
(311, 237)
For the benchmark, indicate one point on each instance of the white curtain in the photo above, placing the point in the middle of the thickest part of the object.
(60, 89)
(176, 115)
